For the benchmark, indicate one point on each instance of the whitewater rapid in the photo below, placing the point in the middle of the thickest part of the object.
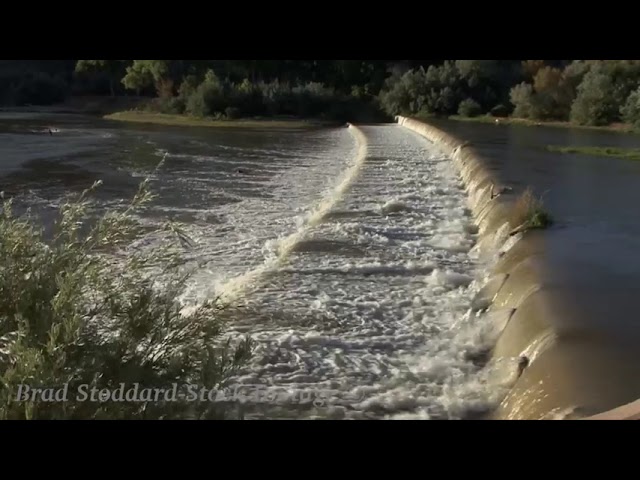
(366, 313)
(347, 254)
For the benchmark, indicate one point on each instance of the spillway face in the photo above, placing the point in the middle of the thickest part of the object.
(570, 361)
(367, 311)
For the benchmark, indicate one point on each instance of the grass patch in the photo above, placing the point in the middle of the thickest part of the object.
(616, 127)
(478, 119)
(529, 213)
(82, 308)
(189, 121)
(627, 153)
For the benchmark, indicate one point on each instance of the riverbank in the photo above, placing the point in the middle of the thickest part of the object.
(188, 121)
(89, 105)
(615, 127)
(626, 153)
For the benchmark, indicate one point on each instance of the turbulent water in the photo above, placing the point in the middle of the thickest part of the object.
(347, 252)
(368, 315)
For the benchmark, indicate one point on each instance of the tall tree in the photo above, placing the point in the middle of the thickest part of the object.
(144, 73)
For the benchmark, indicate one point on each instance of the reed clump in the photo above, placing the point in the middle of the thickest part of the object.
(529, 213)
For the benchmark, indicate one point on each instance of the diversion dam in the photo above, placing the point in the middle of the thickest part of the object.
(346, 254)
(371, 265)
(569, 291)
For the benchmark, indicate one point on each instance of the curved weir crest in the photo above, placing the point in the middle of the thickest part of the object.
(560, 330)
(233, 288)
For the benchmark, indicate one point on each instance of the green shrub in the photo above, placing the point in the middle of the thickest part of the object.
(175, 105)
(169, 105)
(208, 98)
(441, 88)
(529, 213)
(469, 108)
(247, 99)
(521, 97)
(595, 102)
(604, 90)
(232, 113)
(217, 99)
(197, 105)
(358, 91)
(70, 314)
(277, 98)
(188, 87)
(630, 111)
(405, 94)
(312, 99)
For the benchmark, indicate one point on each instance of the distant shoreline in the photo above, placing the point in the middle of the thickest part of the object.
(85, 105)
(616, 127)
(626, 153)
(130, 109)
(187, 121)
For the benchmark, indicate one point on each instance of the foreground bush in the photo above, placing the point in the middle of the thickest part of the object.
(76, 311)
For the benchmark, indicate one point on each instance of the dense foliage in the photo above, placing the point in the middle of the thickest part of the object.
(74, 316)
(589, 92)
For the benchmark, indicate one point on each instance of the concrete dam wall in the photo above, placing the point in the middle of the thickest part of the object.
(570, 335)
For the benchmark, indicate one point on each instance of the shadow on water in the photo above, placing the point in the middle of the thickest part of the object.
(204, 166)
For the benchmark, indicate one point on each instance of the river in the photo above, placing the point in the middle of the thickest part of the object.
(593, 198)
(352, 266)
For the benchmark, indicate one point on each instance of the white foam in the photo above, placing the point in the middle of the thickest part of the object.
(278, 249)
(372, 318)
(449, 278)
(394, 206)
(386, 332)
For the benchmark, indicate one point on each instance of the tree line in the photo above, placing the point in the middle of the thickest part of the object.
(586, 92)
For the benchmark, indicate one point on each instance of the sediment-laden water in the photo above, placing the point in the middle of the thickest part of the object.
(347, 253)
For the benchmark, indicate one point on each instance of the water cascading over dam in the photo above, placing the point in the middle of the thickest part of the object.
(571, 324)
(373, 265)
(365, 307)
